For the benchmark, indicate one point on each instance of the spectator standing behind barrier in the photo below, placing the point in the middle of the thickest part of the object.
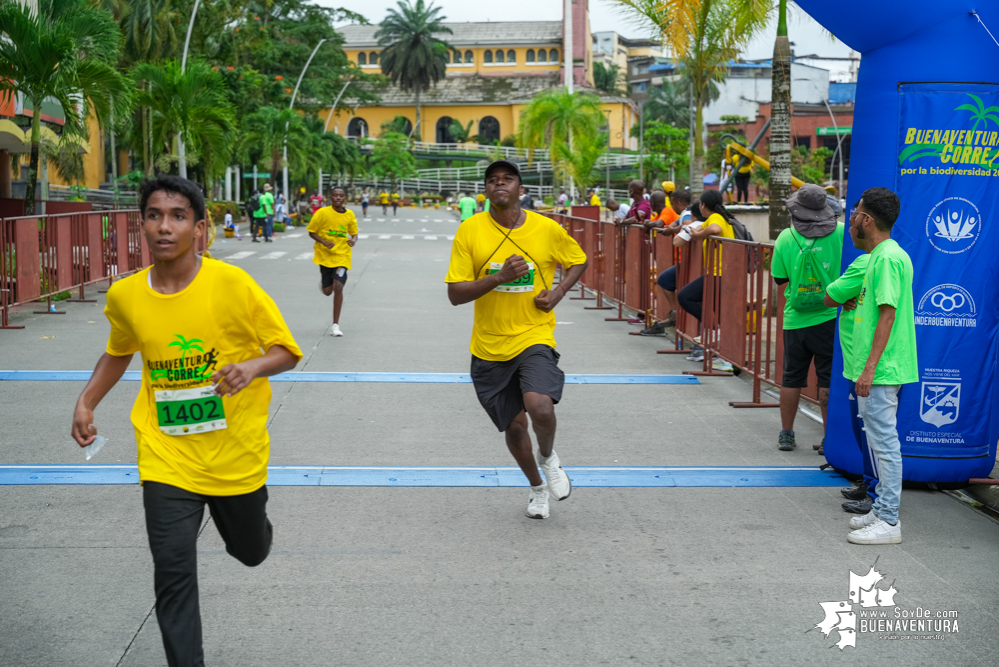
(741, 179)
(563, 201)
(806, 259)
(716, 223)
(884, 357)
(526, 201)
(619, 210)
(846, 289)
(679, 201)
(640, 210)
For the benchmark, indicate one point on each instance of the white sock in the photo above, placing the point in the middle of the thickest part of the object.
(540, 487)
(546, 459)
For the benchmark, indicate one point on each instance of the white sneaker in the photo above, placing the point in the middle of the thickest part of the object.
(721, 365)
(335, 331)
(697, 354)
(862, 520)
(537, 504)
(879, 532)
(559, 483)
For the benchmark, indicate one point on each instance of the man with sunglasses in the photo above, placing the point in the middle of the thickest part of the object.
(504, 260)
(884, 356)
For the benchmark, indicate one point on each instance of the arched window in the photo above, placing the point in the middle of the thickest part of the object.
(443, 133)
(542, 56)
(457, 57)
(553, 56)
(511, 56)
(469, 58)
(489, 129)
(487, 57)
(362, 58)
(373, 58)
(499, 55)
(357, 127)
(530, 55)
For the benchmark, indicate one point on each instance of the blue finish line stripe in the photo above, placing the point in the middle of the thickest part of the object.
(419, 476)
(305, 376)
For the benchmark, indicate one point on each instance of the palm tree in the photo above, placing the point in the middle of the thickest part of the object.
(560, 121)
(576, 165)
(412, 57)
(66, 51)
(607, 79)
(780, 126)
(269, 129)
(192, 105)
(703, 35)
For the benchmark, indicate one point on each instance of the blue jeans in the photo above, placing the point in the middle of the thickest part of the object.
(268, 226)
(879, 411)
(869, 460)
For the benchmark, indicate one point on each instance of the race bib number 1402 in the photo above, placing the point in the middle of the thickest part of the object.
(523, 284)
(189, 411)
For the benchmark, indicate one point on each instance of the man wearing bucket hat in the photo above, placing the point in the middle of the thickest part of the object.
(806, 260)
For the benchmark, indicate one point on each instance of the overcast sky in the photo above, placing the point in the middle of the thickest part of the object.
(808, 36)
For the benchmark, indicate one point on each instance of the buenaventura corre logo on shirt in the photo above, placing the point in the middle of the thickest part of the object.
(194, 366)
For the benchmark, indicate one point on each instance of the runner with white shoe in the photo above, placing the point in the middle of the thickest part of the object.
(334, 229)
(514, 364)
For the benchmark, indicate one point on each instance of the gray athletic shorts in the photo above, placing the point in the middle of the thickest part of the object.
(501, 385)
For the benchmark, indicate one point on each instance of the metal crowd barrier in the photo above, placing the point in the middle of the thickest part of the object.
(44, 255)
(742, 309)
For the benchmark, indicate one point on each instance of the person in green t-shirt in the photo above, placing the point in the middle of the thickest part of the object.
(264, 215)
(806, 259)
(467, 207)
(884, 356)
(846, 290)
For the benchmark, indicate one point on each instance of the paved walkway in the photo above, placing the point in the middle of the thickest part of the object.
(457, 575)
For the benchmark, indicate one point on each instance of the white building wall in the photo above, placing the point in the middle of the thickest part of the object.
(740, 96)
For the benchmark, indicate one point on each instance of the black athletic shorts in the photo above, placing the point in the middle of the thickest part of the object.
(801, 346)
(501, 385)
(331, 273)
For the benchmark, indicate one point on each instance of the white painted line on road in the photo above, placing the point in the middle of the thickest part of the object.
(450, 238)
(293, 236)
(408, 238)
(430, 238)
(304, 255)
(363, 236)
(242, 255)
(274, 255)
(384, 236)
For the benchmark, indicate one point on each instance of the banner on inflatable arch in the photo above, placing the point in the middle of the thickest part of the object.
(947, 177)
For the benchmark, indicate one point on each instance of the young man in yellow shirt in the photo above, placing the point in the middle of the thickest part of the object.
(334, 229)
(504, 260)
(395, 203)
(209, 339)
(383, 199)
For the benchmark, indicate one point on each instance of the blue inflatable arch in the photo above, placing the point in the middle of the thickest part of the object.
(926, 125)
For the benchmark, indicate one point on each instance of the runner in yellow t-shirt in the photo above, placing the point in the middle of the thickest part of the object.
(209, 339)
(383, 199)
(395, 203)
(334, 229)
(504, 260)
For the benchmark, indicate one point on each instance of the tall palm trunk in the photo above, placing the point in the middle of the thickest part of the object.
(697, 165)
(275, 166)
(32, 176)
(419, 128)
(780, 128)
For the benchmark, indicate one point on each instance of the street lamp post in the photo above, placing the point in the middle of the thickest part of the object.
(291, 105)
(181, 153)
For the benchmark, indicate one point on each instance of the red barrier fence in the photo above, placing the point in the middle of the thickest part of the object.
(44, 255)
(743, 309)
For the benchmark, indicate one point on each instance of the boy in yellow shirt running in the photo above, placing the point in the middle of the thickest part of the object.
(334, 229)
(209, 339)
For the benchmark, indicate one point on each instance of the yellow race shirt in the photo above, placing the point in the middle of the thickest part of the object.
(337, 227)
(187, 437)
(727, 231)
(383, 197)
(395, 196)
(506, 319)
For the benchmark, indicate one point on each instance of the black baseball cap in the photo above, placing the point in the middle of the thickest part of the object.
(512, 166)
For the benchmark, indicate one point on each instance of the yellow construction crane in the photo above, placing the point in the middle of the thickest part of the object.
(753, 157)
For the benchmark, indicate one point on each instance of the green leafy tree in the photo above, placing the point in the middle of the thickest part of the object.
(704, 35)
(192, 105)
(810, 165)
(669, 103)
(413, 57)
(268, 130)
(391, 158)
(399, 125)
(607, 79)
(577, 164)
(67, 51)
(717, 141)
(667, 150)
(560, 121)
(461, 133)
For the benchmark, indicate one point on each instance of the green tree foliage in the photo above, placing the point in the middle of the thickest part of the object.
(461, 133)
(391, 158)
(669, 103)
(268, 130)
(607, 79)
(192, 105)
(717, 142)
(561, 122)
(413, 57)
(810, 165)
(577, 164)
(666, 148)
(66, 51)
(399, 125)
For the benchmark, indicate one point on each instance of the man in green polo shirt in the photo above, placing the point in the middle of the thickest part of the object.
(806, 258)
(884, 356)
(263, 217)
